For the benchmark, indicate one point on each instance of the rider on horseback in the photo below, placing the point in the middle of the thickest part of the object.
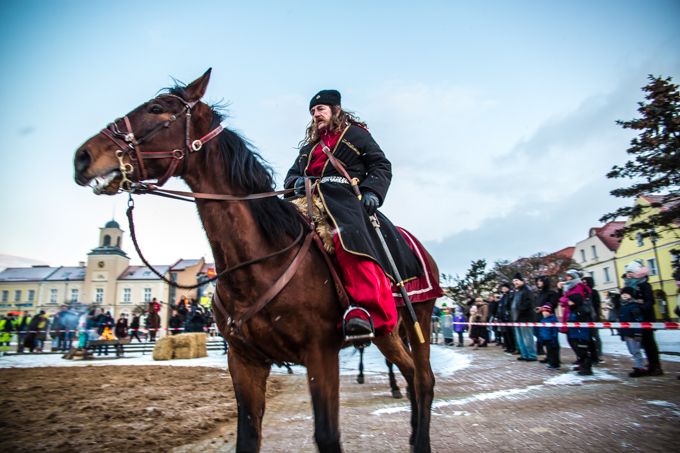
(364, 265)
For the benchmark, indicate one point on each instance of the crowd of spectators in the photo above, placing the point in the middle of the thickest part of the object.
(574, 300)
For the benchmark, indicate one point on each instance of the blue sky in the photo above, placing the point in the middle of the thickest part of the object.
(499, 117)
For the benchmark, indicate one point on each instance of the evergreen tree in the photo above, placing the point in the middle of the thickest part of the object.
(656, 162)
(476, 283)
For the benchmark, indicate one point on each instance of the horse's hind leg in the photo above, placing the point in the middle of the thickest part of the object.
(423, 393)
(250, 385)
(360, 377)
(323, 376)
(396, 393)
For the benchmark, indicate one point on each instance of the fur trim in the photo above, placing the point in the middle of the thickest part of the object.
(323, 227)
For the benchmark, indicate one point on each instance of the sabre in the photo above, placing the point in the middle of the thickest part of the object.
(400, 283)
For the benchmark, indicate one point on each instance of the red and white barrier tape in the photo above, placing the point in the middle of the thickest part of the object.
(88, 330)
(589, 325)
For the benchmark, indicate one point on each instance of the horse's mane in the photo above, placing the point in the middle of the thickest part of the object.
(246, 169)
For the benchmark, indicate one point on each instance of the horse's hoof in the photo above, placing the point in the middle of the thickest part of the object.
(397, 394)
(360, 379)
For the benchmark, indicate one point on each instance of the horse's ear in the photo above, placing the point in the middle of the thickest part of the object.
(196, 89)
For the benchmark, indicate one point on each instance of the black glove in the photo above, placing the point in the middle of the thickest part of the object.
(371, 202)
(299, 187)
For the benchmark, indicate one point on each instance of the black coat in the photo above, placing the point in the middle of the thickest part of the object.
(363, 159)
(644, 292)
(545, 297)
(523, 304)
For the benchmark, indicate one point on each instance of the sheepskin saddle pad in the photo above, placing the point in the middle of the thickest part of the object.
(323, 226)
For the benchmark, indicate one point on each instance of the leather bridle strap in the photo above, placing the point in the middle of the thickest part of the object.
(151, 189)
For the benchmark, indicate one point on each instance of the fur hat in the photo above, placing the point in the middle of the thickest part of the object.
(628, 290)
(518, 276)
(325, 97)
(547, 307)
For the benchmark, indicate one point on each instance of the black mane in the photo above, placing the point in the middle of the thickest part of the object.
(246, 169)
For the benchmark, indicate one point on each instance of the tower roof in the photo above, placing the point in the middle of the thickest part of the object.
(112, 224)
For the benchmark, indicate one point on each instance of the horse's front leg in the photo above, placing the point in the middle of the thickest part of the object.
(423, 393)
(323, 376)
(250, 384)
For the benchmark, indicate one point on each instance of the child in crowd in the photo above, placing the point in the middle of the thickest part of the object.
(476, 331)
(458, 328)
(630, 311)
(579, 337)
(549, 337)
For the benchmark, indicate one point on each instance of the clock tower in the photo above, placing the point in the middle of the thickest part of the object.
(105, 264)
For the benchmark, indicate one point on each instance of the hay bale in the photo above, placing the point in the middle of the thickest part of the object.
(181, 347)
(164, 348)
(182, 354)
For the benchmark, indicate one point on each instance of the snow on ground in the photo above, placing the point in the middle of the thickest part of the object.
(444, 361)
(668, 341)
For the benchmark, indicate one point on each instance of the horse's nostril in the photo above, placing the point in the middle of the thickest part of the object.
(83, 160)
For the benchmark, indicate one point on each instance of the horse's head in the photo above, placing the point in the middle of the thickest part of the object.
(150, 142)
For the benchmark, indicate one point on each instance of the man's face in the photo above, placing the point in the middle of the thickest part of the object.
(505, 289)
(539, 283)
(517, 282)
(321, 114)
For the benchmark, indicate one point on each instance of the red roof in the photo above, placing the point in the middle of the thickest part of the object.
(567, 252)
(659, 199)
(606, 234)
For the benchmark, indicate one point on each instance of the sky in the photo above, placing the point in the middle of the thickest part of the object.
(499, 117)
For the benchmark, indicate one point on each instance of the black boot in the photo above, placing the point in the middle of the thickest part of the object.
(359, 332)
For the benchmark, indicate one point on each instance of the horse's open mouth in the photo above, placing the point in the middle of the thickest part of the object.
(101, 183)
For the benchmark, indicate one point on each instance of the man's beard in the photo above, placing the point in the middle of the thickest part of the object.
(326, 126)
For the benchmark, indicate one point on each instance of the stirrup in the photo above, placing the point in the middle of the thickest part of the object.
(360, 341)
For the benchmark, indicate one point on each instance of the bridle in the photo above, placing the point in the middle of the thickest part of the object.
(130, 145)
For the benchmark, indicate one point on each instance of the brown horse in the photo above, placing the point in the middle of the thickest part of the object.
(153, 322)
(300, 323)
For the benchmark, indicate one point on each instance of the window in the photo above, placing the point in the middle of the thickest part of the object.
(74, 294)
(53, 296)
(593, 251)
(653, 268)
(147, 294)
(17, 295)
(99, 295)
(640, 239)
(583, 255)
(607, 277)
(31, 295)
(592, 275)
(127, 295)
(147, 273)
(66, 274)
(107, 240)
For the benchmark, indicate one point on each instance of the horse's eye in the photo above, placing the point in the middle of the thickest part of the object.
(155, 110)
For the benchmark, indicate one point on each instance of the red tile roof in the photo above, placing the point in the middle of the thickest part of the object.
(606, 234)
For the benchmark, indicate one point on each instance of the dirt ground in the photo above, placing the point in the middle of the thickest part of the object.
(114, 409)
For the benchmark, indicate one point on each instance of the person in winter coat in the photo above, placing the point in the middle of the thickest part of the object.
(197, 321)
(458, 328)
(573, 284)
(35, 341)
(56, 331)
(550, 338)
(483, 315)
(631, 311)
(523, 311)
(7, 327)
(69, 321)
(175, 323)
(544, 296)
(613, 303)
(596, 316)
(579, 337)
(121, 327)
(504, 305)
(134, 328)
(22, 326)
(475, 331)
(493, 317)
(105, 322)
(636, 278)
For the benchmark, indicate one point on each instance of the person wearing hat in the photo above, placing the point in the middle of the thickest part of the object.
(504, 314)
(636, 278)
(550, 338)
(358, 162)
(523, 311)
(579, 337)
(631, 311)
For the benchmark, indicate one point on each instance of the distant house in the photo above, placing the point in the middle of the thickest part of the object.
(655, 254)
(596, 255)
